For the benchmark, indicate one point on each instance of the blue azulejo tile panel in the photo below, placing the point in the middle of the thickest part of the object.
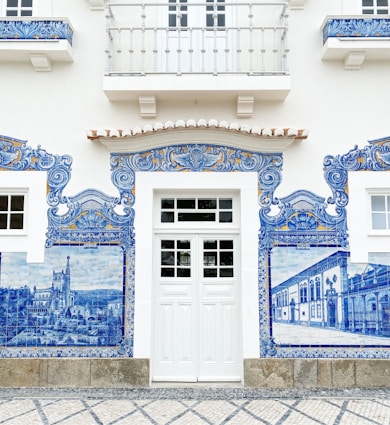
(320, 299)
(74, 299)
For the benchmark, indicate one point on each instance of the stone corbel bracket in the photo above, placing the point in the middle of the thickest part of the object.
(297, 4)
(96, 4)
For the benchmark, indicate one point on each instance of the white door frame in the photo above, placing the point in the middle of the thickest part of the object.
(247, 184)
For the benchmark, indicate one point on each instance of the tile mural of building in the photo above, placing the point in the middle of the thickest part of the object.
(197, 186)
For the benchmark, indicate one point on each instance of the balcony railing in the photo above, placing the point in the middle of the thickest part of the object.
(197, 37)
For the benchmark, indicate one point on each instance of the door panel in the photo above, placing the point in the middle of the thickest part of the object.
(197, 315)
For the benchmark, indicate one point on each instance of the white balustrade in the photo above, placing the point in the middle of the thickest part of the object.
(197, 37)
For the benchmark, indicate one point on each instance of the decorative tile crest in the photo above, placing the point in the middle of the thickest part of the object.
(91, 218)
(196, 158)
(356, 27)
(16, 156)
(27, 29)
(302, 221)
(374, 157)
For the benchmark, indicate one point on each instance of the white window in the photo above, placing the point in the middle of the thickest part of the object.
(375, 7)
(380, 212)
(12, 211)
(18, 7)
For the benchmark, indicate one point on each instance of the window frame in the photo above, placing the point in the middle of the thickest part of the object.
(386, 194)
(19, 8)
(16, 192)
(375, 8)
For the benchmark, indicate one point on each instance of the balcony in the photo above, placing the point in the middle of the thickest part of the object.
(40, 42)
(197, 49)
(356, 39)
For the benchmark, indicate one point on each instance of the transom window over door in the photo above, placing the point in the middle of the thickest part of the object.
(375, 7)
(19, 7)
(194, 209)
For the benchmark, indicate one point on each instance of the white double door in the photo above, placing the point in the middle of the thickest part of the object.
(197, 320)
(196, 36)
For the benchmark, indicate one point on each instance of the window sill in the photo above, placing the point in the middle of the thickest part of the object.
(356, 39)
(376, 233)
(40, 42)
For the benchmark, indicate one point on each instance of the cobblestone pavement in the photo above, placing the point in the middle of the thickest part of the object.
(193, 406)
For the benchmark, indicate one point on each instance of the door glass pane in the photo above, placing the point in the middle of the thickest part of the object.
(225, 204)
(167, 272)
(211, 244)
(12, 3)
(184, 244)
(167, 217)
(226, 258)
(184, 258)
(167, 258)
(26, 3)
(183, 272)
(207, 204)
(209, 272)
(226, 244)
(382, 2)
(186, 204)
(210, 259)
(196, 217)
(225, 217)
(167, 244)
(226, 272)
(167, 203)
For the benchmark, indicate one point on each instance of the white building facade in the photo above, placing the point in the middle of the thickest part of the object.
(214, 175)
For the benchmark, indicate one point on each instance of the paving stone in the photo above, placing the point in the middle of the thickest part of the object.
(194, 406)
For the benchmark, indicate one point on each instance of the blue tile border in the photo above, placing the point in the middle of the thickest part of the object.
(27, 29)
(356, 28)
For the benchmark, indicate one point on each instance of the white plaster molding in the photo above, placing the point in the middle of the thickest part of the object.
(245, 106)
(297, 4)
(96, 4)
(147, 106)
(354, 60)
(40, 62)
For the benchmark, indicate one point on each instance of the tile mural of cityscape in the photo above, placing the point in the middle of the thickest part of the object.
(75, 298)
(320, 298)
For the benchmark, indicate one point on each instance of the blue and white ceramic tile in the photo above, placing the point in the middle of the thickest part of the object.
(312, 302)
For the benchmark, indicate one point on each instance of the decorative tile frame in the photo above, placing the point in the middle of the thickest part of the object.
(311, 225)
(90, 220)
